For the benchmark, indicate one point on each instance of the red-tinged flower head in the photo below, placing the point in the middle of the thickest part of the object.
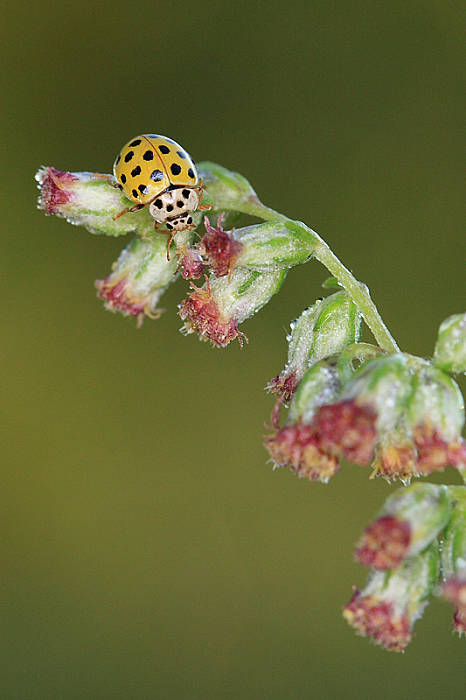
(284, 385)
(454, 590)
(215, 310)
(202, 315)
(384, 543)
(434, 453)
(393, 600)
(89, 200)
(297, 446)
(396, 458)
(190, 263)
(410, 520)
(119, 296)
(347, 429)
(219, 248)
(57, 189)
(138, 279)
(378, 619)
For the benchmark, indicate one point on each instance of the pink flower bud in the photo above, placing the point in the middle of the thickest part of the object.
(298, 447)
(138, 279)
(202, 315)
(215, 310)
(57, 189)
(384, 543)
(219, 248)
(190, 263)
(379, 619)
(393, 600)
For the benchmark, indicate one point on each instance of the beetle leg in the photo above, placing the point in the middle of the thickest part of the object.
(128, 210)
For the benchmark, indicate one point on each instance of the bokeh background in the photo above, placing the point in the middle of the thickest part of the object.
(147, 549)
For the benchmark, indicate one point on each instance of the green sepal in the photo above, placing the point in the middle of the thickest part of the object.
(450, 348)
(453, 557)
(318, 387)
(223, 188)
(272, 245)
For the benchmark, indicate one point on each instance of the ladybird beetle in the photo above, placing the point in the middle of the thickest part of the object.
(155, 171)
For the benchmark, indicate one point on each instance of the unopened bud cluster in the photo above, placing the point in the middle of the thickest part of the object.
(398, 414)
(415, 547)
(370, 404)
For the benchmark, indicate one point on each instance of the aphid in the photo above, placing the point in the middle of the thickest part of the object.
(155, 171)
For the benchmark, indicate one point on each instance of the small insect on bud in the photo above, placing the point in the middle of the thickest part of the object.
(450, 348)
(139, 278)
(215, 310)
(409, 521)
(453, 559)
(322, 330)
(393, 600)
(90, 201)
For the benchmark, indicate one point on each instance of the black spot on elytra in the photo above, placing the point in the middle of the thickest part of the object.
(156, 175)
(135, 193)
(169, 226)
(136, 142)
(128, 156)
(191, 173)
(186, 194)
(118, 159)
(164, 149)
(181, 154)
(123, 178)
(143, 189)
(158, 203)
(120, 186)
(148, 155)
(175, 168)
(190, 219)
(179, 204)
(170, 207)
(136, 171)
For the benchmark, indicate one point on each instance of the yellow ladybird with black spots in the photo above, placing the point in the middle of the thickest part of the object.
(156, 171)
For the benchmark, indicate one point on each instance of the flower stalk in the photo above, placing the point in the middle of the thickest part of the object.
(369, 404)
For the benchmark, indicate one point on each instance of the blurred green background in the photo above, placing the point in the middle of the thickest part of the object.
(147, 549)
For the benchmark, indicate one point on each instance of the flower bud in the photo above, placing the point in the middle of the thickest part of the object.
(383, 384)
(223, 188)
(269, 246)
(409, 521)
(450, 348)
(453, 559)
(138, 279)
(215, 310)
(435, 416)
(190, 263)
(88, 200)
(387, 608)
(321, 331)
(318, 387)
(297, 444)
(419, 415)
(396, 411)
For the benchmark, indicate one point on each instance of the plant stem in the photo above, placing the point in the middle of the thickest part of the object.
(358, 291)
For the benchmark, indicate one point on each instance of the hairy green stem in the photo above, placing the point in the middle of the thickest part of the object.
(358, 291)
